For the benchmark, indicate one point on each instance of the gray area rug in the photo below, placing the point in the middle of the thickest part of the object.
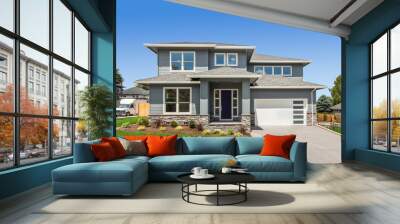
(166, 198)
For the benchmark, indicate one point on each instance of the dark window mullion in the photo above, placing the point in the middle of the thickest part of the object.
(389, 100)
(16, 84)
(73, 82)
(50, 79)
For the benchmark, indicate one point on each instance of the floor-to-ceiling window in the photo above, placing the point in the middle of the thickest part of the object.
(44, 64)
(385, 91)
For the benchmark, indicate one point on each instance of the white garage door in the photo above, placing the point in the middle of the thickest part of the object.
(279, 112)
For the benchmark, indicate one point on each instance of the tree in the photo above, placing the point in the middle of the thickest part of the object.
(33, 131)
(119, 83)
(97, 102)
(324, 104)
(336, 91)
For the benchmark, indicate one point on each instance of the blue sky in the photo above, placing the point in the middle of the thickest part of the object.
(153, 21)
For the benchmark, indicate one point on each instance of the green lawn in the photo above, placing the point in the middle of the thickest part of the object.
(337, 129)
(121, 133)
(131, 120)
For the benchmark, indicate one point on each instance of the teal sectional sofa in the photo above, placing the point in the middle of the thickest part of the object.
(125, 176)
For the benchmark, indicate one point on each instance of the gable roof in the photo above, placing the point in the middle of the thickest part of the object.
(263, 58)
(281, 82)
(135, 91)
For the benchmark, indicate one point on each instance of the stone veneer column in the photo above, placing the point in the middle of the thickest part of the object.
(246, 118)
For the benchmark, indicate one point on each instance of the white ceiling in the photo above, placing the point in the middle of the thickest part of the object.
(324, 16)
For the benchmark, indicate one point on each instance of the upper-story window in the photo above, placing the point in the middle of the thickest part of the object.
(182, 60)
(273, 70)
(226, 59)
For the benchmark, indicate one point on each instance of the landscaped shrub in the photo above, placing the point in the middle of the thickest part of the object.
(174, 124)
(216, 131)
(237, 134)
(141, 128)
(200, 127)
(157, 123)
(222, 133)
(125, 125)
(206, 132)
(162, 128)
(178, 128)
(230, 131)
(192, 124)
(143, 121)
(243, 130)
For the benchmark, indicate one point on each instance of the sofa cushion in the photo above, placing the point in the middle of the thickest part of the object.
(257, 163)
(249, 145)
(277, 145)
(135, 147)
(185, 163)
(116, 145)
(161, 145)
(83, 152)
(112, 171)
(208, 145)
(103, 152)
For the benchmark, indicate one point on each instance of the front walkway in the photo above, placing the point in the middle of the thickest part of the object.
(323, 146)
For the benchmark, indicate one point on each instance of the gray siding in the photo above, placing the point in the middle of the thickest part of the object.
(297, 70)
(242, 59)
(156, 98)
(282, 94)
(201, 60)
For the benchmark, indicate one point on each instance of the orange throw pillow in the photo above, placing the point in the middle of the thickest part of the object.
(103, 152)
(161, 145)
(277, 145)
(116, 145)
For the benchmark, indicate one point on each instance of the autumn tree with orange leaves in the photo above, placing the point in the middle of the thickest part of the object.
(33, 131)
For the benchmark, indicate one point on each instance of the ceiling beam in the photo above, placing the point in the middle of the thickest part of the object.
(268, 15)
(347, 11)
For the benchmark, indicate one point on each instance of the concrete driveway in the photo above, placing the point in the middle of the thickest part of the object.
(323, 146)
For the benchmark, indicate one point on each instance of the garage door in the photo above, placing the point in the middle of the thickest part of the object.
(279, 112)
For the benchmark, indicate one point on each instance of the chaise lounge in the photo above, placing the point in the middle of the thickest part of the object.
(125, 176)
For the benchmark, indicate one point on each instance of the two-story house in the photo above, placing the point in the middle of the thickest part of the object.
(228, 86)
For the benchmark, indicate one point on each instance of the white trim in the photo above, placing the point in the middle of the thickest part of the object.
(227, 59)
(232, 47)
(167, 82)
(280, 61)
(287, 87)
(224, 76)
(232, 107)
(177, 101)
(182, 61)
(273, 15)
(215, 59)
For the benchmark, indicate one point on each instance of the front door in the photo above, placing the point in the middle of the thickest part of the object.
(226, 104)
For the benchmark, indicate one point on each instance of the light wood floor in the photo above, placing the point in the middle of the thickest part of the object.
(378, 189)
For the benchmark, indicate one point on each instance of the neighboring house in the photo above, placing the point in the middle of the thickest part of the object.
(337, 108)
(229, 86)
(135, 93)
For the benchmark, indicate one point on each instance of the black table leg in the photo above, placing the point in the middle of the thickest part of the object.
(195, 188)
(217, 194)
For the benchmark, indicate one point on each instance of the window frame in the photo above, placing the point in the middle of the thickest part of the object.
(16, 115)
(388, 74)
(182, 61)
(177, 112)
(273, 70)
(227, 59)
(215, 59)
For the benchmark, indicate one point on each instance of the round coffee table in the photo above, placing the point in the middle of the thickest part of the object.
(238, 179)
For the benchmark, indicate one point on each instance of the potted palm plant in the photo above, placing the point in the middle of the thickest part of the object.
(96, 102)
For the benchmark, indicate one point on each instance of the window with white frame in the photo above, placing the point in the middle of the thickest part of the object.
(219, 59)
(177, 100)
(226, 59)
(182, 60)
(273, 70)
(258, 69)
(232, 59)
